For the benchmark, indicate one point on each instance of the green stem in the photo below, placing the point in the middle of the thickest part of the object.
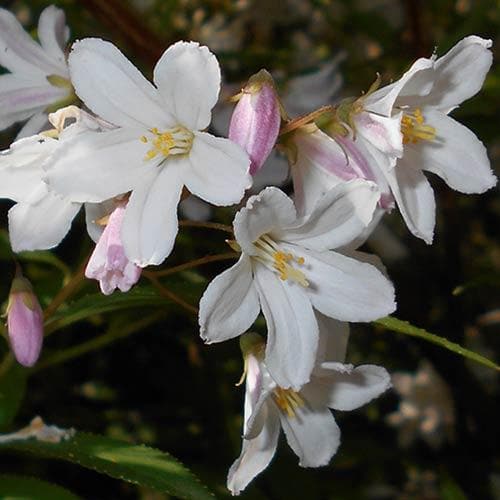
(195, 263)
(206, 225)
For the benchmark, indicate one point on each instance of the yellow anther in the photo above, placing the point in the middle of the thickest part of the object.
(177, 140)
(414, 129)
(144, 139)
(287, 400)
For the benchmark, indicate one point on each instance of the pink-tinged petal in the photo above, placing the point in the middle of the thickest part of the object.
(24, 322)
(93, 213)
(188, 80)
(381, 131)
(414, 196)
(150, 225)
(456, 155)
(53, 35)
(113, 88)
(292, 328)
(255, 124)
(108, 263)
(256, 454)
(270, 209)
(33, 126)
(230, 303)
(218, 170)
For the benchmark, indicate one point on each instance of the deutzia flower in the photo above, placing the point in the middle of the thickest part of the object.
(158, 146)
(286, 270)
(304, 415)
(39, 77)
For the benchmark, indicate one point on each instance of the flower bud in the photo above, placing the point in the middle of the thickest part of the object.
(24, 322)
(256, 119)
(108, 263)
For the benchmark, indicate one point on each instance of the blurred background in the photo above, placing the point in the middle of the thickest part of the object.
(435, 435)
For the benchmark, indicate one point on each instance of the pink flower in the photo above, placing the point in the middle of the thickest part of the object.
(256, 119)
(24, 322)
(108, 263)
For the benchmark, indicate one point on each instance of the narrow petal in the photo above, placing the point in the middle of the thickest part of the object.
(94, 212)
(96, 166)
(344, 288)
(230, 304)
(41, 226)
(338, 218)
(219, 170)
(312, 433)
(188, 80)
(34, 125)
(333, 339)
(54, 34)
(384, 132)
(150, 224)
(414, 196)
(256, 454)
(292, 329)
(270, 209)
(456, 155)
(113, 88)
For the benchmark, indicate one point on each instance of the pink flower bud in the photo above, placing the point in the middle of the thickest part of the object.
(256, 119)
(108, 263)
(24, 322)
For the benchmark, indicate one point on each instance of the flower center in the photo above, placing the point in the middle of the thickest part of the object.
(414, 129)
(273, 257)
(173, 141)
(287, 400)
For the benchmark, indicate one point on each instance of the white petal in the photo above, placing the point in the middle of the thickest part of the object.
(230, 304)
(339, 217)
(192, 208)
(40, 226)
(333, 339)
(96, 166)
(344, 288)
(53, 34)
(150, 224)
(113, 88)
(218, 170)
(270, 209)
(256, 454)
(292, 328)
(312, 433)
(274, 172)
(347, 388)
(188, 79)
(414, 196)
(94, 212)
(456, 155)
(34, 125)
(381, 131)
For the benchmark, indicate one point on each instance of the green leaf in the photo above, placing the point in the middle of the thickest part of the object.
(29, 488)
(136, 464)
(397, 325)
(12, 389)
(450, 490)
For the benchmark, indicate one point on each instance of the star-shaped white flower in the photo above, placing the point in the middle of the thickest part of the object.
(287, 270)
(39, 75)
(158, 146)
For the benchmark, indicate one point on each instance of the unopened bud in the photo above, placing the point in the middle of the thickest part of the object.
(256, 119)
(24, 322)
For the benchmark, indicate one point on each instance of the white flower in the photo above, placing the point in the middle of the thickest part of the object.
(304, 415)
(158, 147)
(408, 124)
(39, 75)
(286, 270)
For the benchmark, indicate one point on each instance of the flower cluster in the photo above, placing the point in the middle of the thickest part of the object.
(134, 149)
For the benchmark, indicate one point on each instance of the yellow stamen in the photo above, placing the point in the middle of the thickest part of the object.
(414, 128)
(287, 400)
(175, 141)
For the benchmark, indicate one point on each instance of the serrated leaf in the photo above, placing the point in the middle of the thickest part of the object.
(136, 464)
(397, 325)
(29, 488)
(12, 389)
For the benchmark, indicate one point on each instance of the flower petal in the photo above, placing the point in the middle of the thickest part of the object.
(113, 88)
(94, 212)
(41, 226)
(268, 210)
(292, 329)
(34, 125)
(344, 288)
(312, 433)
(230, 303)
(333, 339)
(188, 79)
(338, 218)
(456, 155)
(150, 224)
(414, 196)
(256, 454)
(54, 34)
(218, 170)
(384, 132)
